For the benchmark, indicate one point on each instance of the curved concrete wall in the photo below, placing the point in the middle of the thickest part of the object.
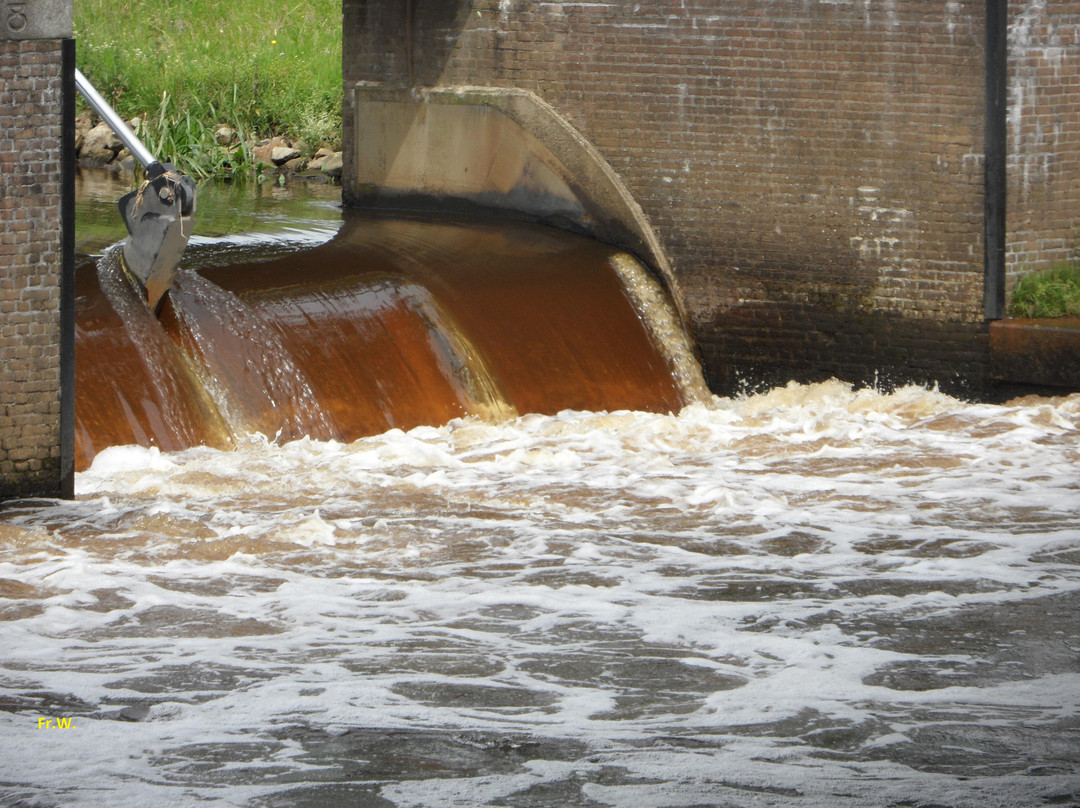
(490, 149)
(814, 172)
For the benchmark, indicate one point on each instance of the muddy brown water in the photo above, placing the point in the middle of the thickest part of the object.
(814, 596)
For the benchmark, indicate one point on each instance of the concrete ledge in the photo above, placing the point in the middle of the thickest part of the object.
(494, 149)
(1042, 352)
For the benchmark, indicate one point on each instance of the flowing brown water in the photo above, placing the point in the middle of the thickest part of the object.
(814, 597)
(394, 323)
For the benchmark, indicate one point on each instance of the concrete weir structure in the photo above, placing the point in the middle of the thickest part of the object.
(822, 185)
(490, 149)
(37, 153)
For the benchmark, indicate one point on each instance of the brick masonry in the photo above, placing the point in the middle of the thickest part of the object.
(814, 170)
(31, 267)
(1044, 135)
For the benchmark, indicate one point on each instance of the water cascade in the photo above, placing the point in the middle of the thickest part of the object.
(394, 323)
(815, 596)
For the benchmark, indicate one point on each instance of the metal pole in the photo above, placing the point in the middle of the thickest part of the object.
(155, 214)
(67, 275)
(115, 122)
(994, 234)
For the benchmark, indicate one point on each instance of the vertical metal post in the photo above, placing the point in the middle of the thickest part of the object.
(997, 75)
(67, 271)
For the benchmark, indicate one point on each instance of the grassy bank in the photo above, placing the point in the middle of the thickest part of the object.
(1051, 293)
(263, 67)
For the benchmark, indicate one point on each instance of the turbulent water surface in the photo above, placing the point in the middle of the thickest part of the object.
(815, 596)
(810, 597)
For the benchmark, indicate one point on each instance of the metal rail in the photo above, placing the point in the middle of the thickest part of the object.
(159, 215)
(115, 122)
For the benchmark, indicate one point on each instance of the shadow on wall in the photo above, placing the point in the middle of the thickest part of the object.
(491, 149)
(418, 52)
(418, 146)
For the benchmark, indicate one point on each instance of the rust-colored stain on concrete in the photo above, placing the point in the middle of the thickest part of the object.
(1036, 351)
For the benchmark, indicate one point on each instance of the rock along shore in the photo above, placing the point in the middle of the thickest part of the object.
(97, 146)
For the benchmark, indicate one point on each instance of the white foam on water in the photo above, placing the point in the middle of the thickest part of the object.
(293, 235)
(815, 596)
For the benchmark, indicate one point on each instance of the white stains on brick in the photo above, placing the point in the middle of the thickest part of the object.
(560, 8)
(885, 227)
(877, 11)
(1043, 50)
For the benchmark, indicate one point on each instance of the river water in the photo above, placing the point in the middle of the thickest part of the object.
(814, 596)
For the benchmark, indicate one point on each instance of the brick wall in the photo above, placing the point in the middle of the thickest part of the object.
(1044, 135)
(31, 267)
(814, 170)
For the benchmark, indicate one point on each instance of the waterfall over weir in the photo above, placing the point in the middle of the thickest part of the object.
(814, 596)
(393, 323)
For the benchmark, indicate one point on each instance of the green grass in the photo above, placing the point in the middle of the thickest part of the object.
(1050, 293)
(264, 67)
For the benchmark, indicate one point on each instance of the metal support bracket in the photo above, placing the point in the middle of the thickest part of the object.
(159, 216)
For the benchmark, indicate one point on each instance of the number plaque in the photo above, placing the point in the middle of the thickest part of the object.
(35, 19)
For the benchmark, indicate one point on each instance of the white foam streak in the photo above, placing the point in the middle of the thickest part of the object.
(777, 597)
